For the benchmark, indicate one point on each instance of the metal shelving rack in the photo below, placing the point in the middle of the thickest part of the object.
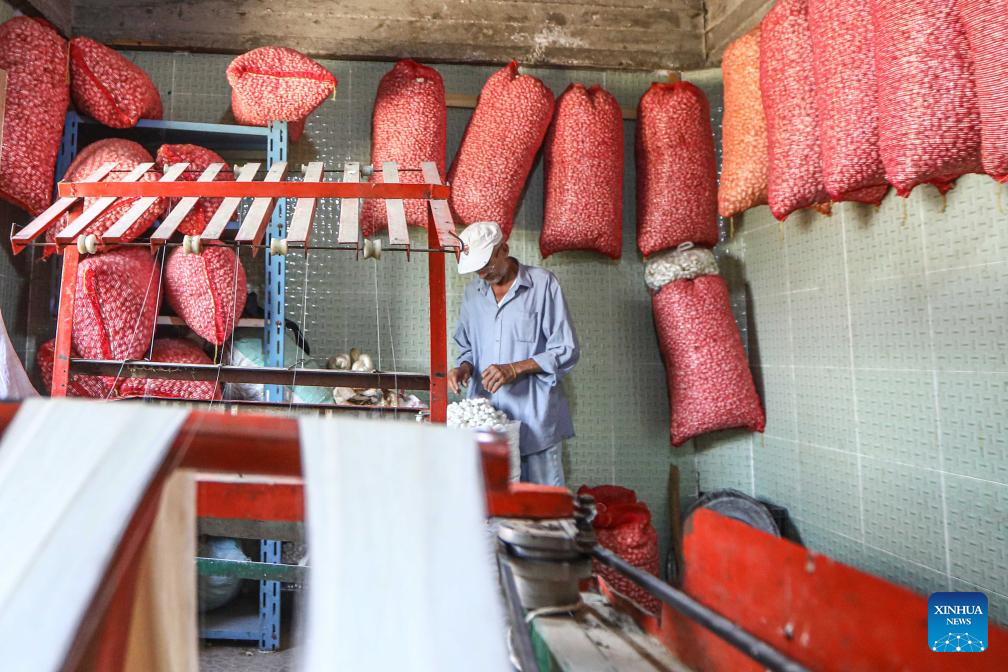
(271, 141)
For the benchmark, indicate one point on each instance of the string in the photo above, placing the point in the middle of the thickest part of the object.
(304, 329)
(234, 325)
(150, 353)
(378, 328)
(136, 325)
(395, 366)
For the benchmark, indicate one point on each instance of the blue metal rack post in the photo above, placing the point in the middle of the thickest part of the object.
(219, 137)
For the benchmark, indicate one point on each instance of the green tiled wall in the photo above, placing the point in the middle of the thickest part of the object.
(617, 392)
(879, 341)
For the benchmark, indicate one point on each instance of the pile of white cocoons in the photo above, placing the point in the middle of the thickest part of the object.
(476, 413)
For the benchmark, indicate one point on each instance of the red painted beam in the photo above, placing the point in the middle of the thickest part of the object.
(250, 500)
(64, 323)
(438, 328)
(236, 189)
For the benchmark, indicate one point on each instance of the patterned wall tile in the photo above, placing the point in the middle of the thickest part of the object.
(775, 386)
(825, 540)
(776, 472)
(996, 602)
(896, 416)
(970, 228)
(889, 322)
(978, 536)
(829, 490)
(825, 407)
(918, 578)
(883, 243)
(819, 328)
(974, 424)
(907, 520)
(724, 460)
(969, 309)
(815, 252)
(761, 245)
(770, 329)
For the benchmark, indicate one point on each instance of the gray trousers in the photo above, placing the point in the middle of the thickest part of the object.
(544, 467)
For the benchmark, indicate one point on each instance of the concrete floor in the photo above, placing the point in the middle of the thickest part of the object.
(240, 658)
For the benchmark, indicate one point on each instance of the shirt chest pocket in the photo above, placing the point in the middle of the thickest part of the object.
(524, 329)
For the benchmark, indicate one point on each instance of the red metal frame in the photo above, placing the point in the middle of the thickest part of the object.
(64, 323)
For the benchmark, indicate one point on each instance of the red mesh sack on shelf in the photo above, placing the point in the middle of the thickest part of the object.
(583, 183)
(93, 387)
(676, 169)
(199, 159)
(408, 126)
(277, 84)
(498, 148)
(986, 24)
(34, 56)
(844, 65)
(127, 155)
(109, 87)
(206, 290)
(178, 351)
(743, 129)
(929, 122)
(116, 304)
(710, 385)
(623, 525)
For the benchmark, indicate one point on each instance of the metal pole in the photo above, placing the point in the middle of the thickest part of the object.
(744, 641)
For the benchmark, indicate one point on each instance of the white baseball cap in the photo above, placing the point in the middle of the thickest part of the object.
(480, 239)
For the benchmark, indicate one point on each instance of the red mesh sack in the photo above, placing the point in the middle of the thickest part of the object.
(206, 290)
(583, 183)
(498, 148)
(929, 122)
(34, 56)
(109, 87)
(277, 84)
(743, 129)
(986, 24)
(408, 126)
(199, 159)
(116, 304)
(710, 385)
(178, 351)
(608, 495)
(844, 66)
(676, 169)
(94, 387)
(126, 154)
(627, 531)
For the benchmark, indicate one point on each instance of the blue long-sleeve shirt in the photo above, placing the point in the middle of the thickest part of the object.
(531, 322)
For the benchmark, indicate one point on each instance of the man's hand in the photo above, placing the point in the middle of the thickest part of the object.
(498, 375)
(459, 376)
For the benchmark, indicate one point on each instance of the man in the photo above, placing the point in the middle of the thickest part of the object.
(516, 341)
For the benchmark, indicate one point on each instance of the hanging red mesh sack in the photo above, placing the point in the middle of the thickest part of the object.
(743, 129)
(206, 290)
(110, 88)
(177, 351)
(199, 159)
(676, 169)
(583, 183)
(93, 387)
(498, 148)
(34, 56)
(844, 65)
(623, 525)
(127, 155)
(710, 385)
(116, 304)
(277, 84)
(929, 122)
(986, 24)
(408, 126)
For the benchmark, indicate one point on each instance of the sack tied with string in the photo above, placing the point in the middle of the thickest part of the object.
(676, 168)
(583, 180)
(110, 88)
(929, 120)
(208, 290)
(408, 126)
(199, 159)
(986, 25)
(179, 351)
(498, 148)
(710, 386)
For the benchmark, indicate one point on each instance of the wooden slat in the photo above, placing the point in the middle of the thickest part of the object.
(349, 226)
(442, 214)
(299, 230)
(92, 213)
(171, 223)
(254, 227)
(227, 209)
(119, 229)
(44, 222)
(398, 233)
